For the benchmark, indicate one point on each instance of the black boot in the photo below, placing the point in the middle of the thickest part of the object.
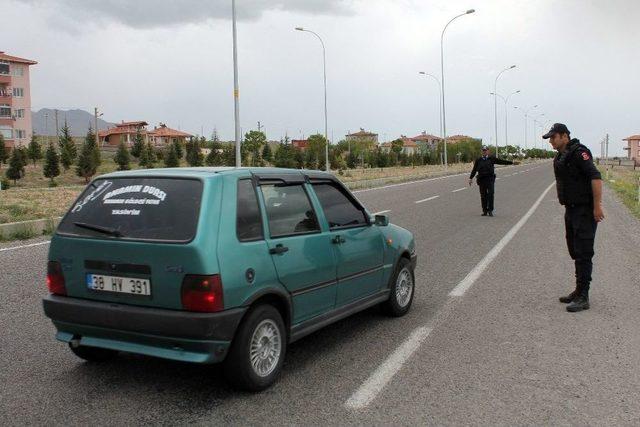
(490, 213)
(581, 302)
(567, 299)
(484, 213)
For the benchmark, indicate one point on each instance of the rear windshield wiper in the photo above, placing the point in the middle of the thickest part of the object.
(99, 228)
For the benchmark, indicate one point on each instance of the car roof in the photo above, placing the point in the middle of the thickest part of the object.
(200, 172)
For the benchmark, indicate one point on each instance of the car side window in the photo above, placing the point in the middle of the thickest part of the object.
(289, 210)
(248, 218)
(339, 209)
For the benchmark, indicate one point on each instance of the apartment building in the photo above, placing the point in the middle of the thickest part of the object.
(15, 100)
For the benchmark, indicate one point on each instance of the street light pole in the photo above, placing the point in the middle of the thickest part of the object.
(324, 71)
(444, 119)
(526, 116)
(506, 126)
(495, 105)
(236, 90)
(440, 92)
(535, 124)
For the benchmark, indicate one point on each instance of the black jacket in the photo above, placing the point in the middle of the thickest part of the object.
(574, 170)
(483, 166)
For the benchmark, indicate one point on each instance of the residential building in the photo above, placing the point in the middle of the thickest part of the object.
(162, 135)
(301, 144)
(15, 100)
(454, 139)
(409, 146)
(633, 148)
(363, 136)
(126, 131)
(427, 140)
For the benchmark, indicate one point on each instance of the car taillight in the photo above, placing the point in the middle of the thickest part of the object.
(202, 293)
(55, 278)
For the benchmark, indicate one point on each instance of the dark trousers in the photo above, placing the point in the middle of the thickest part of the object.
(580, 228)
(486, 185)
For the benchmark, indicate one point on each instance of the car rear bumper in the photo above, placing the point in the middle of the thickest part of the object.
(170, 334)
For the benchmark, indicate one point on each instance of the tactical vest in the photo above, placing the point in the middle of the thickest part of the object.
(574, 188)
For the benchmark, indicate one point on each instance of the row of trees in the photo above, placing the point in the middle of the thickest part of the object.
(255, 151)
(65, 154)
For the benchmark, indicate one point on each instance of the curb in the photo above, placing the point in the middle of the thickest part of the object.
(27, 229)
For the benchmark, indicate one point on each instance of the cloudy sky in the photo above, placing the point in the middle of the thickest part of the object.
(171, 61)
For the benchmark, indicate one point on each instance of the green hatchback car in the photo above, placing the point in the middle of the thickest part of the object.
(212, 265)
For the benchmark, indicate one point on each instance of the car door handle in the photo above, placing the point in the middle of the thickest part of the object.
(337, 240)
(278, 250)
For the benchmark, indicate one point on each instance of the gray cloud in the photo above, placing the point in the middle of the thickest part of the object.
(163, 13)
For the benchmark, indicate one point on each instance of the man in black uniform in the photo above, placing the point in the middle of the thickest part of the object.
(483, 166)
(579, 186)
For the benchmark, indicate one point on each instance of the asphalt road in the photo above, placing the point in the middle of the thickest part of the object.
(501, 351)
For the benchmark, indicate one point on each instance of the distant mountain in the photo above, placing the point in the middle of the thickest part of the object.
(44, 122)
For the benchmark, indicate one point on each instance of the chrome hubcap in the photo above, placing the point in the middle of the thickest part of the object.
(265, 349)
(404, 287)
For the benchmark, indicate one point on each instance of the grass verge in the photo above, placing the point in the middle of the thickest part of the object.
(625, 184)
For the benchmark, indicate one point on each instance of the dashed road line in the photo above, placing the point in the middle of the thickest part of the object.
(13, 248)
(382, 212)
(426, 200)
(459, 189)
(474, 274)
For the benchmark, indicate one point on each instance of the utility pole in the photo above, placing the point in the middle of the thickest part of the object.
(56, 115)
(606, 150)
(95, 118)
(259, 126)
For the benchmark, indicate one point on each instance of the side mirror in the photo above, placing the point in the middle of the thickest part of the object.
(381, 220)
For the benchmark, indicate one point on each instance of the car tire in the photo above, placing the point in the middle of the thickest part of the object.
(401, 287)
(262, 335)
(93, 354)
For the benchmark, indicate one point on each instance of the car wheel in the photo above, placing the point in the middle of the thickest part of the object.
(401, 290)
(258, 350)
(93, 354)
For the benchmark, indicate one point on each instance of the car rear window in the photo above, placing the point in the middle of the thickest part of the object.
(156, 209)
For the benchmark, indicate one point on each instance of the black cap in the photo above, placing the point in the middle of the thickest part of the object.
(484, 147)
(556, 128)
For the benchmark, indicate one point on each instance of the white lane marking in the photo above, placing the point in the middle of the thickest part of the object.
(409, 182)
(426, 200)
(473, 275)
(385, 372)
(459, 189)
(382, 212)
(24, 246)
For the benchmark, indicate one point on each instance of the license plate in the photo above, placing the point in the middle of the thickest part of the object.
(123, 285)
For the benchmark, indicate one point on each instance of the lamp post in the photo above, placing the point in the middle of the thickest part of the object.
(444, 119)
(526, 112)
(324, 69)
(495, 104)
(439, 91)
(535, 124)
(236, 90)
(506, 126)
